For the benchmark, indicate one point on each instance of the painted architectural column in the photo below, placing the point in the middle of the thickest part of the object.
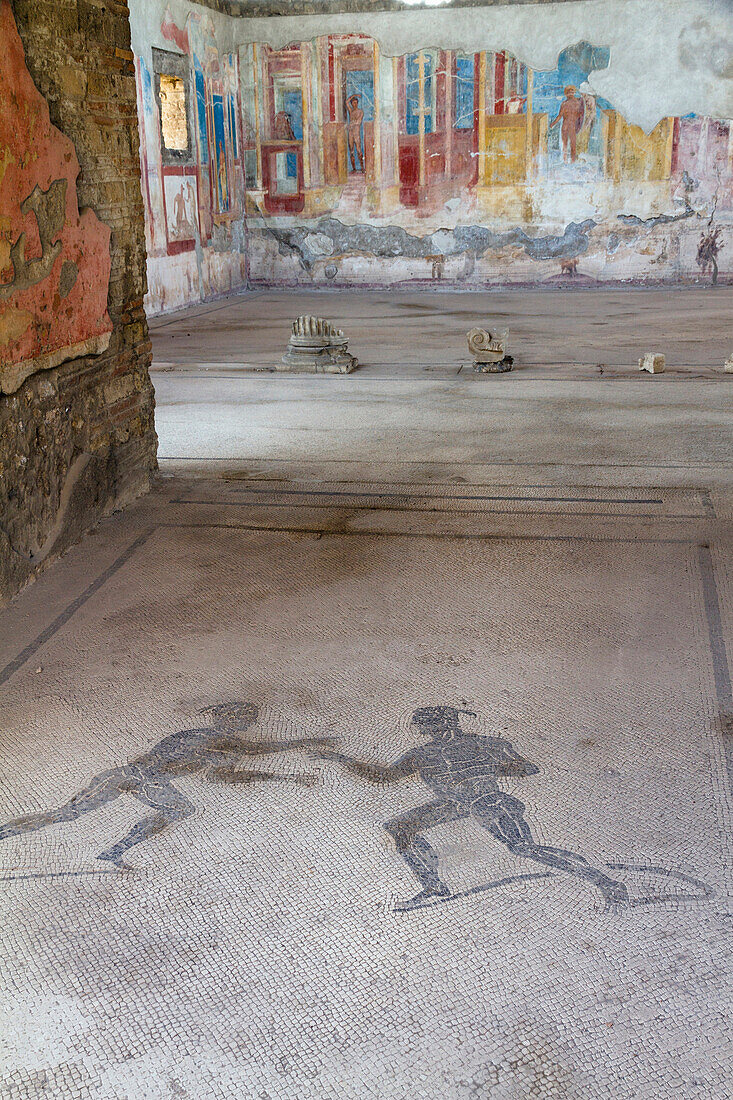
(377, 125)
(421, 115)
(257, 112)
(449, 111)
(320, 55)
(668, 150)
(482, 166)
(529, 148)
(396, 118)
(305, 96)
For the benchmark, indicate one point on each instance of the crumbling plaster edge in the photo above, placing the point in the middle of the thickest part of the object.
(644, 84)
(645, 81)
(13, 375)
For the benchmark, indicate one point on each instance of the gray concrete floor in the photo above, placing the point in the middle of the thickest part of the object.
(236, 911)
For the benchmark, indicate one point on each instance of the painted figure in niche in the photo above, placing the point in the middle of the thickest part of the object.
(354, 132)
(184, 206)
(572, 110)
(222, 178)
(283, 127)
(461, 770)
(215, 751)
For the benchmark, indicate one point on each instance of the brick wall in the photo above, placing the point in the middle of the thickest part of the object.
(79, 441)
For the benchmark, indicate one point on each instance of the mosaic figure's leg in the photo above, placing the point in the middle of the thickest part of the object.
(170, 806)
(104, 788)
(421, 857)
(503, 816)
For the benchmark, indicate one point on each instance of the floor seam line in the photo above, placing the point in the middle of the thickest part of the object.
(63, 618)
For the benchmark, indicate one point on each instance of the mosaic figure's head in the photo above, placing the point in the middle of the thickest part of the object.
(434, 721)
(232, 716)
(570, 90)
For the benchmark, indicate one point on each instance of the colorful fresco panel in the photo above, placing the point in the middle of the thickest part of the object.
(437, 140)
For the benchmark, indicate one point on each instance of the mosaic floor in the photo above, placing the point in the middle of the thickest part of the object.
(343, 790)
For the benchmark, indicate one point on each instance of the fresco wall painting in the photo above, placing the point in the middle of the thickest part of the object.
(343, 165)
(194, 194)
(492, 169)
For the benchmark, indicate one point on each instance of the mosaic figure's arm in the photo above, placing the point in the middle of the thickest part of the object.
(235, 746)
(375, 773)
(506, 761)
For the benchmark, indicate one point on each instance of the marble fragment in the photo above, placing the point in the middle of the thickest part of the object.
(489, 351)
(652, 362)
(317, 346)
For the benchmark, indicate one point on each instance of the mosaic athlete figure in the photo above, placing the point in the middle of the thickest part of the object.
(215, 751)
(461, 769)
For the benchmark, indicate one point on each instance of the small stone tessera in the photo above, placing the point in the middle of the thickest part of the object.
(366, 549)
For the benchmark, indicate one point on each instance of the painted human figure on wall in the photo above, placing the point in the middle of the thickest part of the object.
(184, 207)
(222, 178)
(354, 132)
(572, 110)
(179, 209)
(283, 127)
(590, 111)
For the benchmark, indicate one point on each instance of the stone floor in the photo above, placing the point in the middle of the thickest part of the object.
(381, 751)
(571, 333)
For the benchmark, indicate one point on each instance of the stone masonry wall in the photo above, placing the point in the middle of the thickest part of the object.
(78, 441)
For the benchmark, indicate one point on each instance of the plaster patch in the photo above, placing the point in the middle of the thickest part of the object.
(13, 324)
(392, 241)
(645, 85)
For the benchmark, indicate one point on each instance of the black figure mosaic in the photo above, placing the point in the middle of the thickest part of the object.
(461, 770)
(214, 751)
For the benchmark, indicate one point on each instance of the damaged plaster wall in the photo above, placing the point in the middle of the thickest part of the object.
(193, 186)
(53, 305)
(76, 419)
(517, 143)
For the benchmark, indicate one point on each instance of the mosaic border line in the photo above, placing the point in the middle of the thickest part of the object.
(61, 620)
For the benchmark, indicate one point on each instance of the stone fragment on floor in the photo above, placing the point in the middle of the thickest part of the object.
(652, 362)
(317, 347)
